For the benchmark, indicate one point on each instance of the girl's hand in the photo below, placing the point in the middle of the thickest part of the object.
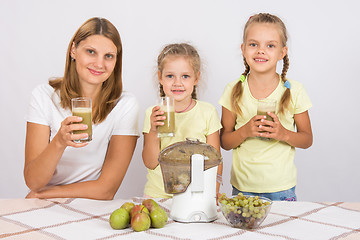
(274, 129)
(156, 118)
(65, 135)
(252, 127)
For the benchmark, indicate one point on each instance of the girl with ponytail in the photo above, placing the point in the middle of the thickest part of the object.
(263, 150)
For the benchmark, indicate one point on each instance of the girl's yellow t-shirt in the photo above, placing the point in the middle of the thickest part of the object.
(259, 165)
(201, 121)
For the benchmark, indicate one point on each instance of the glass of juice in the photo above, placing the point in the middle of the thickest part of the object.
(263, 107)
(82, 107)
(167, 106)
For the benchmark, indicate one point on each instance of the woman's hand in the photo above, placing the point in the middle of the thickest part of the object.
(65, 134)
(156, 118)
(32, 194)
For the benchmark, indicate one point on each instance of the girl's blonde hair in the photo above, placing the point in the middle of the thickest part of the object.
(238, 88)
(111, 89)
(183, 50)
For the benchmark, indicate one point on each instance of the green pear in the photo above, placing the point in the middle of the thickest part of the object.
(138, 208)
(128, 206)
(140, 221)
(150, 204)
(119, 219)
(158, 217)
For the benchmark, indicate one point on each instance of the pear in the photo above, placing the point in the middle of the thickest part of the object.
(150, 204)
(138, 208)
(128, 206)
(140, 221)
(119, 219)
(158, 217)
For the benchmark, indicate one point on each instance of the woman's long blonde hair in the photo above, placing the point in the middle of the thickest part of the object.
(238, 88)
(111, 89)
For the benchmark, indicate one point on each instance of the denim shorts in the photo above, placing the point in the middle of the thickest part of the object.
(286, 195)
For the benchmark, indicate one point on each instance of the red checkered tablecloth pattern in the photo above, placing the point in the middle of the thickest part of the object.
(89, 219)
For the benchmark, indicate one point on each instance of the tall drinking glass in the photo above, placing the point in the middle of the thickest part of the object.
(263, 107)
(167, 106)
(82, 107)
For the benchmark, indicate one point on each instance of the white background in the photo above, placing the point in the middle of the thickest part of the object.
(324, 53)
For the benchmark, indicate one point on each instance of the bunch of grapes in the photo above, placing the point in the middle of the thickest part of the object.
(246, 212)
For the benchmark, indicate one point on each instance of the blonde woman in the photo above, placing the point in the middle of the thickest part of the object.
(55, 165)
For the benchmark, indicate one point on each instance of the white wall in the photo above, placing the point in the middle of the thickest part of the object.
(324, 56)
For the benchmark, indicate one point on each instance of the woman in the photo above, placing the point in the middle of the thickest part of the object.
(56, 166)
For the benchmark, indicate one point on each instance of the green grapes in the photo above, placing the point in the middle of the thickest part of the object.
(245, 212)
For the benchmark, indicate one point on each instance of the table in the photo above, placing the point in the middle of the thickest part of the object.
(88, 219)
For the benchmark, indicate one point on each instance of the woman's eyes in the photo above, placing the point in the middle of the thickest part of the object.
(169, 76)
(107, 56)
(185, 76)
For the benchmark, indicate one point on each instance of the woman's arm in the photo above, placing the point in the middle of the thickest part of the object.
(42, 156)
(231, 138)
(117, 160)
(302, 138)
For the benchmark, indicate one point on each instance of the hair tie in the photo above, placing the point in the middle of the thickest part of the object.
(287, 84)
(242, 78)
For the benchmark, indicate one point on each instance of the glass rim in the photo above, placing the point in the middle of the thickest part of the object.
(81, 99)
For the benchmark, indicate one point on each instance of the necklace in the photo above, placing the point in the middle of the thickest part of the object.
(185, 108)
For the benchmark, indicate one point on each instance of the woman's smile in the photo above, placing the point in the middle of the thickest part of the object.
(94, 72)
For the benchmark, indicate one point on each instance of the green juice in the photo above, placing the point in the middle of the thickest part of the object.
(265, 113)
(85, 113)
(168, 129)
(267, 118)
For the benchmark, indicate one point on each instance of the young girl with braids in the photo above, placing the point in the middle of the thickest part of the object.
(265, 167)
(178, 74)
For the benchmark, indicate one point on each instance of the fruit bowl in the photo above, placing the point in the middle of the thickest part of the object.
(245, 211)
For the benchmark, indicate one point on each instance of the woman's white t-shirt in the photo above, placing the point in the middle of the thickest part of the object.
(85, 163)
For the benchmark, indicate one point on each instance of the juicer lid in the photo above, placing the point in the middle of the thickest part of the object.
(180, 153)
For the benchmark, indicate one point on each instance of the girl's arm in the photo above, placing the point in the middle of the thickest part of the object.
(151, 148)
(302, 138)
(117, 160)
(214, 140)
(231, 138)
(42, 156)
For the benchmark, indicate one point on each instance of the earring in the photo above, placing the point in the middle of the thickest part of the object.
(72, 59)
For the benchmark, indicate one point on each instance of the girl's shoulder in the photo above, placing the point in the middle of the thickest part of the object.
(205, 106)
(232, 83)
(296, 86)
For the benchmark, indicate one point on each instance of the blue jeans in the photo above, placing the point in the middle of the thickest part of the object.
(287, 195)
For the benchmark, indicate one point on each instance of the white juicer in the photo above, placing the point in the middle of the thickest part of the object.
(189, 171)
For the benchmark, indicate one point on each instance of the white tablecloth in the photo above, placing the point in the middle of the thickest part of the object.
(89, 219)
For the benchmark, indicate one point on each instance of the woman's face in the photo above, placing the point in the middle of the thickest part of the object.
(95, 59)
